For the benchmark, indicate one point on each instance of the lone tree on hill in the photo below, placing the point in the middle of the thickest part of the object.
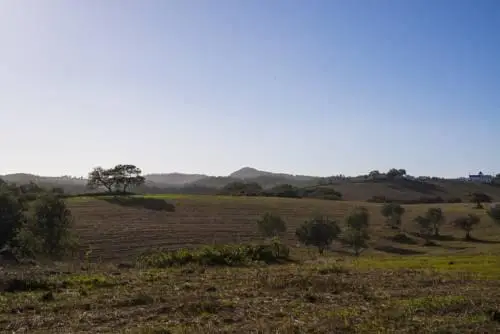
(319, 232)
(437, 218)
(393, 173)
(467, 223)
(478, 198)
(120, 177)
(271, 225)
(356, 234)
(393, 213)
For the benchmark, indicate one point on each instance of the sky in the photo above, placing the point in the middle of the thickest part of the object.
(303, 87)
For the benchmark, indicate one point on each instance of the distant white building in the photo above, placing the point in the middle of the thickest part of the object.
(481, 178)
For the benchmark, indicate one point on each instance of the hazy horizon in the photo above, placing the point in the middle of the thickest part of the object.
(312, 88)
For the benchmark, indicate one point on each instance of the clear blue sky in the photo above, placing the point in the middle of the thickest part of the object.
(307, 87)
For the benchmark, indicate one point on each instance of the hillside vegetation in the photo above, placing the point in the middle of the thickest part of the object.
(362, 188)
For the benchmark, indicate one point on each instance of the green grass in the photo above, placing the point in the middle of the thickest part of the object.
(486, 266)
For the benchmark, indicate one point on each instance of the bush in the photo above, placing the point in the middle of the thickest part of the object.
(218, 255)
(51, 223)
(271, 225)
(319, 232)
(11, 216)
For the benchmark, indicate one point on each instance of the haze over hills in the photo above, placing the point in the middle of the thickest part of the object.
(358, 188)
(171, 179)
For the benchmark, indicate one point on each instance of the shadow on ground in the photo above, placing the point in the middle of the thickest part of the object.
(482, 241)
(397, 250)
(402, 238)
(156, 204)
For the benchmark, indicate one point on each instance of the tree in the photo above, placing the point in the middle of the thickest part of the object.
(284, 190)
(51, 223)
(11, 216)
(494, 213)
(436, 217)
(393, 213)
(393, 173)
(120, 177)
(374, 174)
(467, 223)
(100, 177)
(426, 227)
(242, 189)
(478, 198)
(271, 225)
(319, 232)
(127, 176)
(356, 234)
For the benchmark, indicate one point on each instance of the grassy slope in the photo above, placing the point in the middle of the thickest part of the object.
(444, 289)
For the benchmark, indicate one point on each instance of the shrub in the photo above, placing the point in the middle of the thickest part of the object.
(319, 232)
(51, 222)
(218, 255)
(356, 234)
(271, 225)
(11, 216)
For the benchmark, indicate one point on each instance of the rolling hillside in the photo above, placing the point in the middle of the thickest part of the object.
(356, 189)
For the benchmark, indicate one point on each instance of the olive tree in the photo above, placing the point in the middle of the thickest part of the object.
(467, 223)
(319, 232)
(425, 227)
(436, 218)
(393, 213)
(356, 234)
(271, 225)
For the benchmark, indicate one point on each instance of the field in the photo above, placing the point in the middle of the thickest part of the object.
(121, 230)
(397, 286)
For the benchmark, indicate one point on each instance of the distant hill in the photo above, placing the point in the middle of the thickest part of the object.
(174, 179)
(252, 173)
(359, 188)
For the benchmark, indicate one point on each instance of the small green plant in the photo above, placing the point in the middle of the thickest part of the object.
(271, 225)
(467, 223)
(393, 213)
(356, 234)
(319, 232)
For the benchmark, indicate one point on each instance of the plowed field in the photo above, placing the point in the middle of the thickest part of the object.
(116, 231)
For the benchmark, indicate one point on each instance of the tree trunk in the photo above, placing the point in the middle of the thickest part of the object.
(467, 235)
(436, 231)
(321, 250)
